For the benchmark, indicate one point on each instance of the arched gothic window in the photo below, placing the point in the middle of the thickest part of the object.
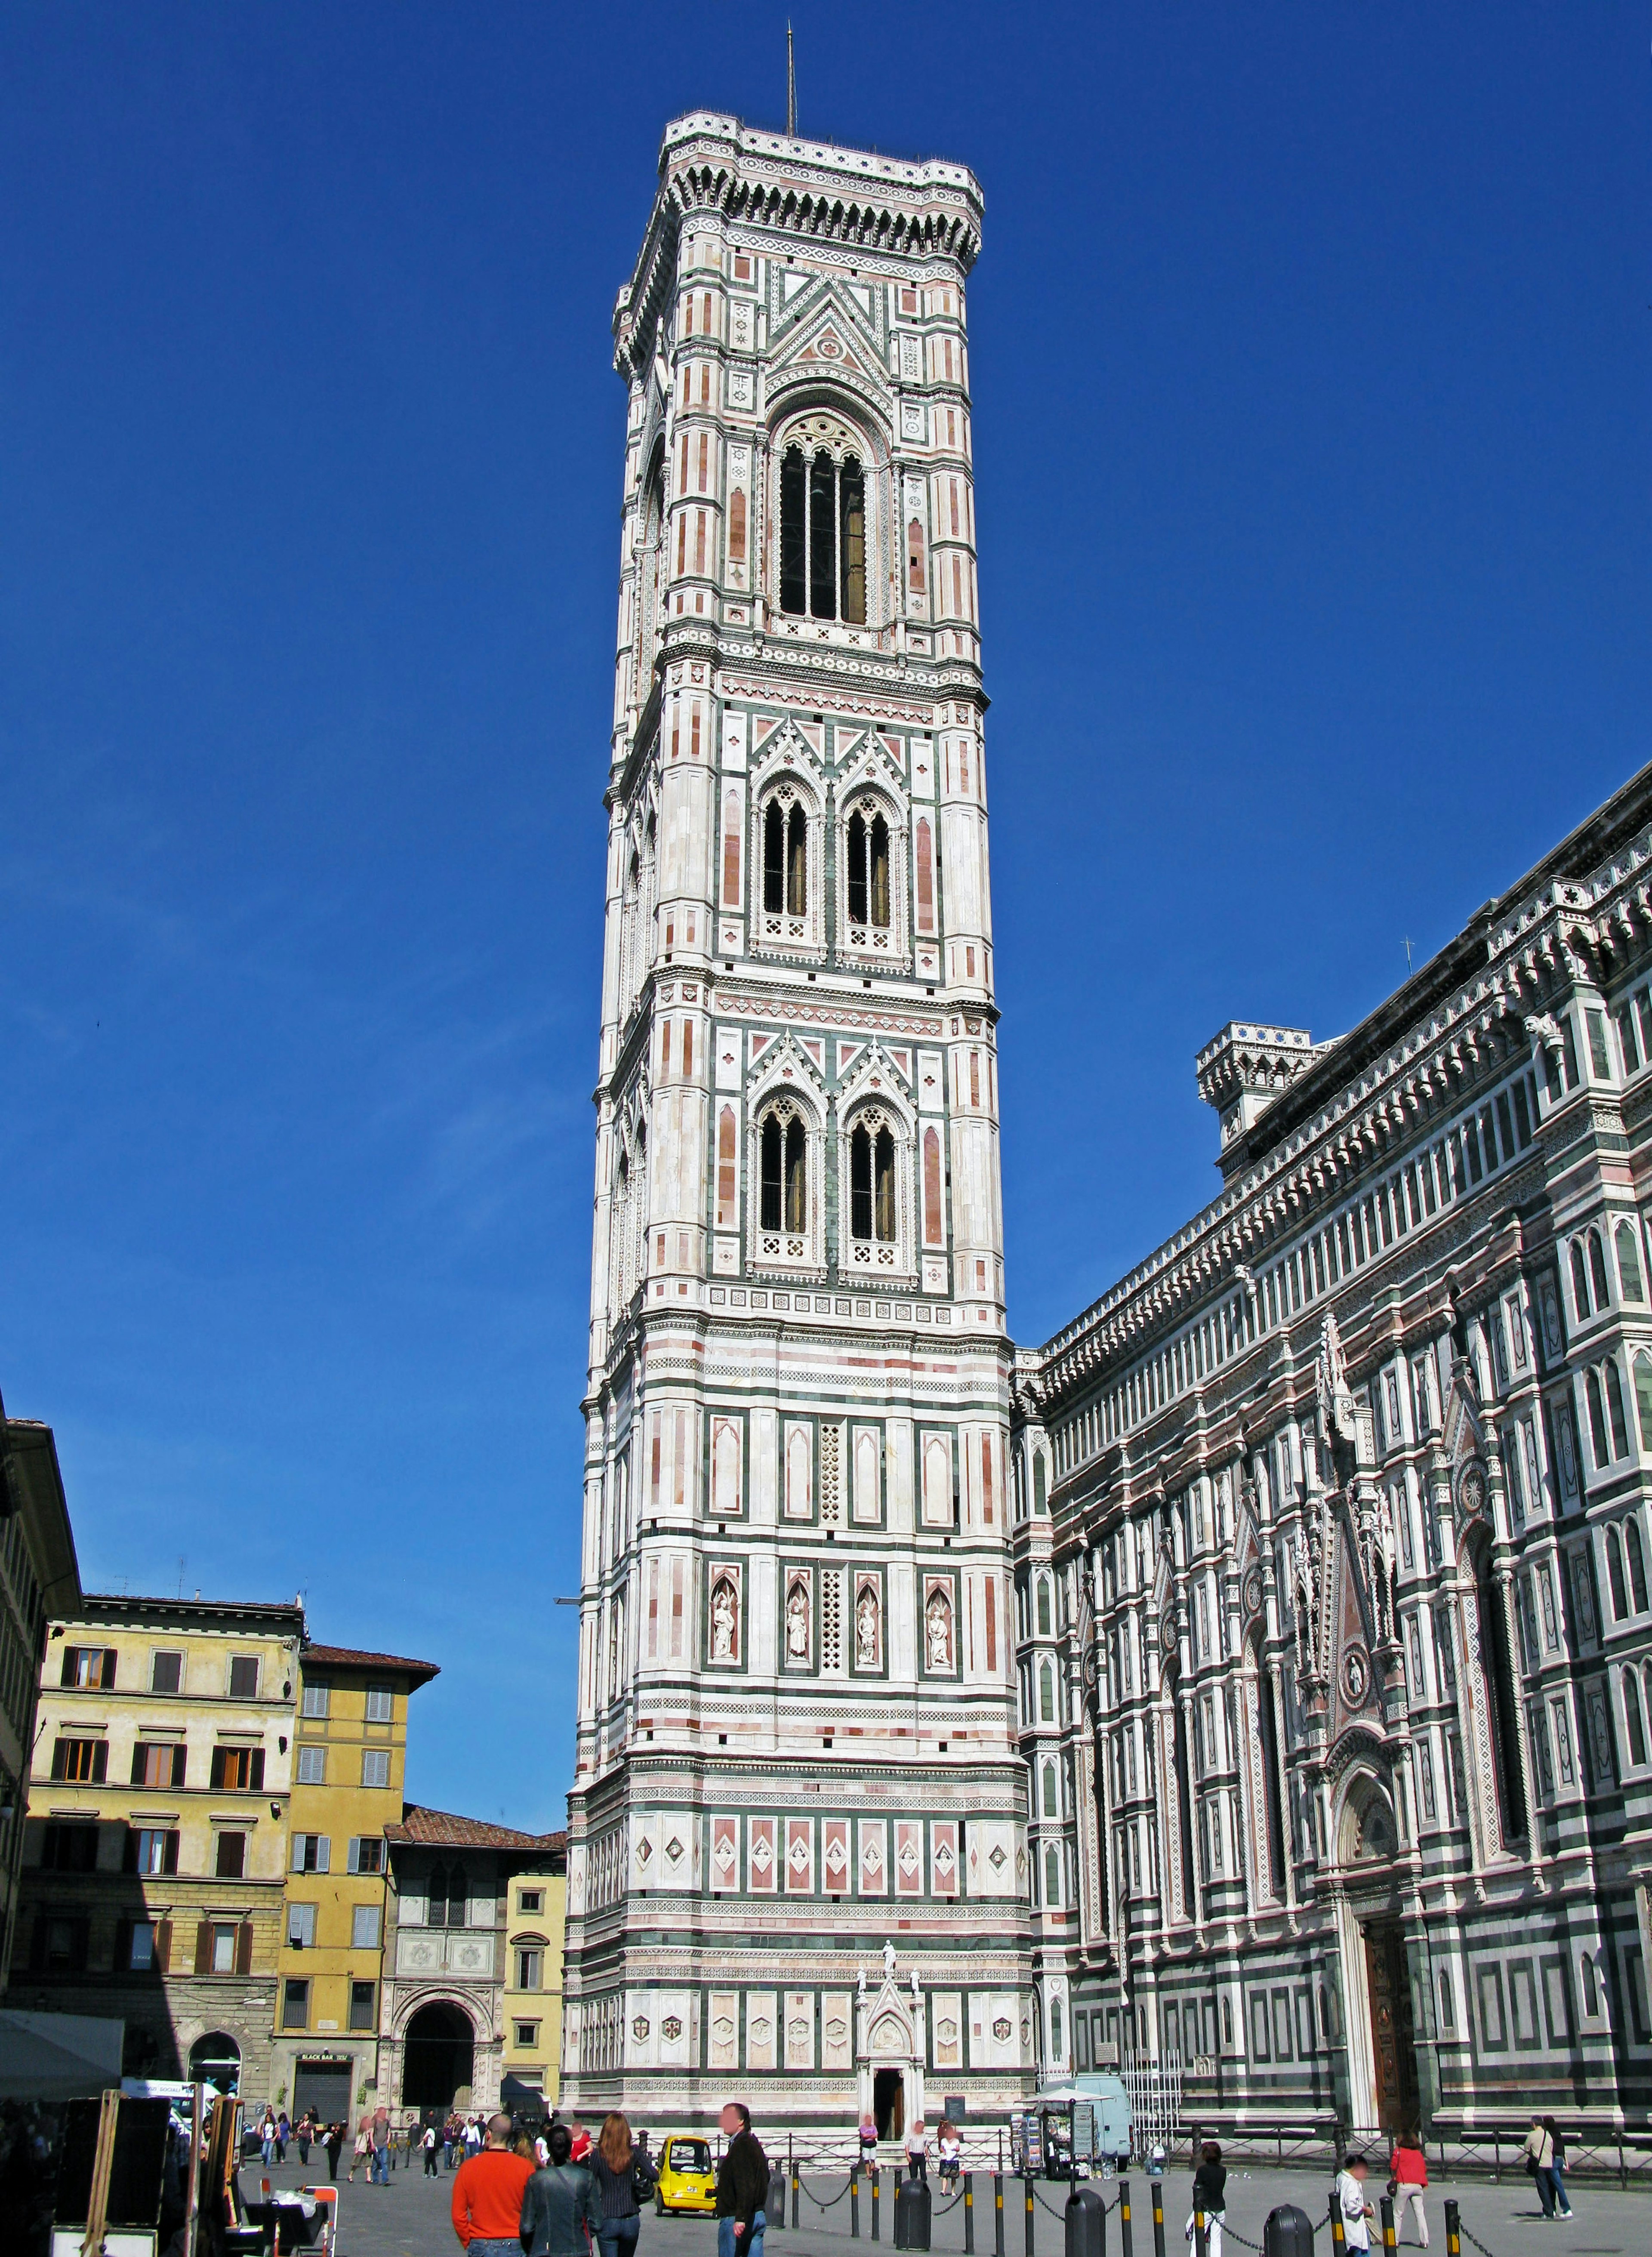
(1046, 1694)
(1614, 1577)
(1632, 1716)
(1051, 1806)
(1052, 1896)
(1043, 1607)
(1580, 1279)
(1644, 1398)
(1597, 1417)
(785, 1174)
(868, 869)
(871, 1185)
(1629, 1262)
(1615, 1404)
(1636, 1559)
(1598, 1271)
(822, 537)
(784, 860)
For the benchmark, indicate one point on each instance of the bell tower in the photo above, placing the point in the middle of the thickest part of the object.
(796, 1700)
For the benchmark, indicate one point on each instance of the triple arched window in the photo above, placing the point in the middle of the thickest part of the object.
(823, 536)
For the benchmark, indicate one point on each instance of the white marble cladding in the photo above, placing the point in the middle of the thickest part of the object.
(456, 1951)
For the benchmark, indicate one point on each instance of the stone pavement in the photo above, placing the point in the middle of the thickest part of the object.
(410, 2218)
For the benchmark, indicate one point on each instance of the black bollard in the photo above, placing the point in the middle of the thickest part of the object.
(1338, 2239)
(775, 2208)
(796, 2194)
(874, 2201)
(854, 2205)
(1453, 2229)
(969, 2214)
(1386, 2206)
(1158, 2217)
(1198, 2231)
(997, 2213)
(1124, 2218)
(1028, 2182)
(1287, 2233)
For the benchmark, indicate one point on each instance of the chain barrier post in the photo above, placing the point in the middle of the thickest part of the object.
(998, 2207)
(1124, 2218)
(1158, 2217)
(1385, 2207)
(1338, 2238)
(796, 2204)
(854, 2205)
(1198, 2231)
(1028, 2182)
(1453, 2229)
(876, 2175)
(969, 2214)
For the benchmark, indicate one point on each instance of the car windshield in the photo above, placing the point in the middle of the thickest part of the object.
(690, 2155)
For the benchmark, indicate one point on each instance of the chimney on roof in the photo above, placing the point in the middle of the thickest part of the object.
(1242, 1070)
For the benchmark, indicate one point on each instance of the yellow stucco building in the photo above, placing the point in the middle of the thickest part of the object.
(155, 1845)
(348, 1772)
(536, 1918)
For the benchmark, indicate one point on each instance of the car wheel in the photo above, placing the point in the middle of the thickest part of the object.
(660, 2206)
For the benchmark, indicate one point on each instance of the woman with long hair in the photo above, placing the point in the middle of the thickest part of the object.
(611, 2166)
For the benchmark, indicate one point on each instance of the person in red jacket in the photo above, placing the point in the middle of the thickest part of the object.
(1409, 2170)
(487, 2196)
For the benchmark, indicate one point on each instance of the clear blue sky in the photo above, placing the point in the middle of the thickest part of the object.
(1311, 351)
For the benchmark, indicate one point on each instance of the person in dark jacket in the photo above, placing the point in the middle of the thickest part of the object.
(560, 2215)
(1210, 2195)
(610, 2163)
(743, 2186)
(332, 2142)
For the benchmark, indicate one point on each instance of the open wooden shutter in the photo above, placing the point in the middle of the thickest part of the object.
(169, 1861)
(178, 1765)
(257, 1771)
(100, 1762)
(243, 1948)
(106, 1678)
(163, 1945)
(204, 1947)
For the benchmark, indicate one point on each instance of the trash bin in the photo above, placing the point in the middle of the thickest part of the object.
(1289, 2232)
(911, 2214)
(1086, 2222)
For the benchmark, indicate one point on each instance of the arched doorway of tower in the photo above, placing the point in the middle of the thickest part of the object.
(438, 2061)
(215, 2059)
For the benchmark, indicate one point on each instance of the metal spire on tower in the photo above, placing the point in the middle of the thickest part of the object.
(791, 88)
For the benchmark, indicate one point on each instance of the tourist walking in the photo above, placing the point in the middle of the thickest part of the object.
(449, 2140)
(283, 2133)
(1349, 2194)
(743, 2185)
(868, 2142)
(379, 2175)
(918, 2153)
(1539, 2152)
(266, 2139)
(1407, 2175)
(949, 2152)
(332, 2142)
(1557, 2166)
(304, 2133)
(613, 2174)
(487, 2195)
(1210, 2195)
(360, 2151)
(579, 2138)
(430, 2142)
(561, 2214)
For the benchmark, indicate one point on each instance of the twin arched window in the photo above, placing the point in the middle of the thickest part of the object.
(822, 537)
(871, 1185)
(1632, 1596)
(1591, 1272)
(784, 860)
(868, 844)
(784, 1161)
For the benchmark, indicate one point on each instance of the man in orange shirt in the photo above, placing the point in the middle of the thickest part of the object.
(487, 2196)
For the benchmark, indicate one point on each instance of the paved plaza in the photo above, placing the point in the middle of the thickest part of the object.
(410, 2216)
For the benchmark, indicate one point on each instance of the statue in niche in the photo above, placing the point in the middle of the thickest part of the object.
(888, 1962)
(937, 1622)
(723, 1620)
(797, 1624)
(867, 1641)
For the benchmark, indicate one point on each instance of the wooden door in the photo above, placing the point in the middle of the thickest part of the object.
(1393, 2038)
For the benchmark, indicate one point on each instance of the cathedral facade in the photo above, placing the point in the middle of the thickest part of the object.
(797, 1829)
(1334, 1624)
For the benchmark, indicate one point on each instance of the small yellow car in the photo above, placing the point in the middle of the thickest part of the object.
(686, 2182)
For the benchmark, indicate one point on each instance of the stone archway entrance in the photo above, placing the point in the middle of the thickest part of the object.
(889, 2052)
(438, 2062)
(889, 2103)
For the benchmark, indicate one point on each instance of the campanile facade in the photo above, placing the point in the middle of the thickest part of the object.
(797, 1832)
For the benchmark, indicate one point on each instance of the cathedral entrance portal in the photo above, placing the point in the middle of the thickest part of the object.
(1393, 2033)
(889, 2103)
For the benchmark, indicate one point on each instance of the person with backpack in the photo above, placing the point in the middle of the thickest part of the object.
(1539, 2152)
(561, 2214)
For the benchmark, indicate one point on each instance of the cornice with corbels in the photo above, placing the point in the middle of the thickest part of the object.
(1566, 931)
